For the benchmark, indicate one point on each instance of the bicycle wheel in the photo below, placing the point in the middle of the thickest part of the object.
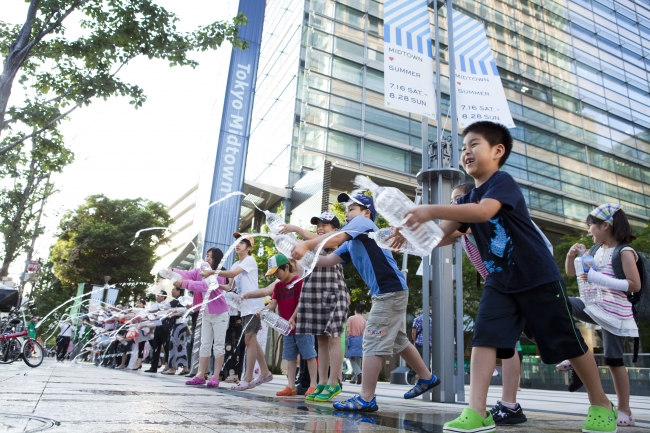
(9, 351)
(32, 353)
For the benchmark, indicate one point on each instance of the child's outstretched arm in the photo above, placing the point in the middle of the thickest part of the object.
(260, 293)
(301, 248)
(632, 281)
(290, 228)
(467, 213)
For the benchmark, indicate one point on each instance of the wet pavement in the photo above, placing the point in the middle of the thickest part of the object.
(83, 398)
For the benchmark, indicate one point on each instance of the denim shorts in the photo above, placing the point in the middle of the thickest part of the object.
(298, 343)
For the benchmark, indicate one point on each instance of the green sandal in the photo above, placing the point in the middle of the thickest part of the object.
(312, 396)
(600, 420)
(328, 393)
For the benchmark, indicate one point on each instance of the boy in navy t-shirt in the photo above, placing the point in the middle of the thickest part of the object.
(385, 332)
(524, 283)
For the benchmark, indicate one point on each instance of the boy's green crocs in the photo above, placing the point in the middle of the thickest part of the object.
(600, 420)
(470, 421)
(319, 389)
(328, 393)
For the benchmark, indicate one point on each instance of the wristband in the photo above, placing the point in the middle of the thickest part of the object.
(601, 279)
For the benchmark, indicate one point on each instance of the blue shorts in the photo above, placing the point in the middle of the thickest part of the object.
(301, 343)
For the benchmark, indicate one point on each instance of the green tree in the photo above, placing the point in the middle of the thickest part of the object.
(62, 70)
(65, 73)
(97, 239)
(22, 200)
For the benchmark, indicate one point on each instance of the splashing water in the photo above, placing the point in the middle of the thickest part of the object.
(319, 248)
(66, 302)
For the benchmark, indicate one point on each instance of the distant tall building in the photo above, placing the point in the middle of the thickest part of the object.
(575, 74)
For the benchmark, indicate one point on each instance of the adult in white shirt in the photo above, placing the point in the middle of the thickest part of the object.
(63, 340)
(243, 277)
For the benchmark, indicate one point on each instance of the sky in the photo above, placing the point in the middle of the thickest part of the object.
(156, 152)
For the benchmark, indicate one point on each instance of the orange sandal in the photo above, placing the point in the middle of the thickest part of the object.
(287, 392)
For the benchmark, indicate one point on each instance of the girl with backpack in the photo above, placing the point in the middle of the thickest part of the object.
(616, 273)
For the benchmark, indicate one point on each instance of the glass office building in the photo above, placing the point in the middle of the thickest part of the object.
(575, 74)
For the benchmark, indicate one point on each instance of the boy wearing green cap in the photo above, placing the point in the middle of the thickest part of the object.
(285, 297)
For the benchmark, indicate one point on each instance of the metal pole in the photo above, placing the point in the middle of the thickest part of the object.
(460, 336)
(426, 263)
(460, 340)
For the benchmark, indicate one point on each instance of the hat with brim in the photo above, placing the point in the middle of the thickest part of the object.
(327, 218)
(246, 236)
(275, 262)
(360, 199)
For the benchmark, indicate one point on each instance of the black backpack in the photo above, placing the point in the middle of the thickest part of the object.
(640, 303)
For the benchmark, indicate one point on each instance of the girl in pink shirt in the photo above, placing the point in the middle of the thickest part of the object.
(215, 317)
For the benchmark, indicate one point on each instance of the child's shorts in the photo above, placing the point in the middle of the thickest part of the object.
(298, 343)
(613, 345)
(386, 328)
(546, 311)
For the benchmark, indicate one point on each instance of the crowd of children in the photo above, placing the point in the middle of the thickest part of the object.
(523, 292)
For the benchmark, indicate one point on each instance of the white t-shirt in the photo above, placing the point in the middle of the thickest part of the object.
(247, 282)
(66, 329)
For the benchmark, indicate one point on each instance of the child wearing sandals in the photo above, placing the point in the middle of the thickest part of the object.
(523, 280)
(215, 318)
(507, 411)
(386, 328)
(609, 229)
(322, 311)
(243, 275)
(285, 293)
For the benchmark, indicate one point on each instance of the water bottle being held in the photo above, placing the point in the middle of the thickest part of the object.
(380, 238)
(233, 300)
(170, 275)
(205, 266)
(393, 204)
(589, 292)
(276, 322)
(285, 243)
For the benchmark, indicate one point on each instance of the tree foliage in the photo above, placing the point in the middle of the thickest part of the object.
(65, 69)
(97, 239)
(66, 54)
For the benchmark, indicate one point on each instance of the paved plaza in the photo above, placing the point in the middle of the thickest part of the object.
(84, 398)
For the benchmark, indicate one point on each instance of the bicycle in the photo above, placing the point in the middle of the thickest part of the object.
(15, 341)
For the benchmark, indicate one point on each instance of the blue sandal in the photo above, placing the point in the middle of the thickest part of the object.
(357, 404)
(422, 386)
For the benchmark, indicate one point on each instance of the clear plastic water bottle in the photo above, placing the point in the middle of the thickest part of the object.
(233, 300)
(273, 221)
(276, 322)
(393, 204)
(285, 243)
(380, 238)
(205, 266)
(589, 292)
(170, 275)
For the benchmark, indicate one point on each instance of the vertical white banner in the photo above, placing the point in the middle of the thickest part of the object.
(408, 67)
(479, 92)
(96, 298)
(111, 295)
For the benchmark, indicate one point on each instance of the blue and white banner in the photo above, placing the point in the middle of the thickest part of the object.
(223, 219)
(408, 66)
(479, 92)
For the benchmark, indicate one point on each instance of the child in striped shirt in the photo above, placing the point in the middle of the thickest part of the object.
(609, 228)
